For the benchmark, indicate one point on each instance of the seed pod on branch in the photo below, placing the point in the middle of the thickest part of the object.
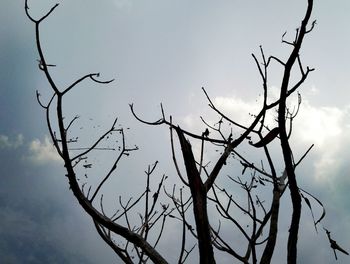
(267, 139)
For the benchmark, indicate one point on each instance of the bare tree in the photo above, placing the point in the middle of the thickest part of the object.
(248, 214)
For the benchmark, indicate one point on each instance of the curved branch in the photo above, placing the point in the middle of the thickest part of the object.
(91, 76)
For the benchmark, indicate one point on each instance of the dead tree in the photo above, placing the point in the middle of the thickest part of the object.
(201, 193)
(200, 188)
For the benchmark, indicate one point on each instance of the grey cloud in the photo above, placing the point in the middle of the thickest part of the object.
(40, 223)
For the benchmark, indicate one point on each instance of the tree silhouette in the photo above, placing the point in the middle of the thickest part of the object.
(202, 205)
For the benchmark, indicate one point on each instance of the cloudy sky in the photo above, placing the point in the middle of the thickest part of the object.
(160, 51)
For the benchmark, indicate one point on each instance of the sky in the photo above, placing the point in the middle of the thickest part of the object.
(161, 51)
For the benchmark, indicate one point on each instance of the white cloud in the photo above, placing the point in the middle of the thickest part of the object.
(328, 127)
(7, 143)
(123, 4)
(236, 108)
(324, 126)
(320, 125)
(233, 107)
(43, 151)
(314, 90)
